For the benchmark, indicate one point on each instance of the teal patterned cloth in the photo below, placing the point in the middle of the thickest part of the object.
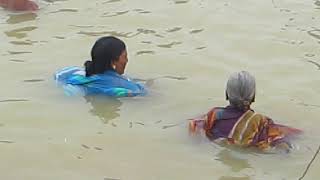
(110, 83)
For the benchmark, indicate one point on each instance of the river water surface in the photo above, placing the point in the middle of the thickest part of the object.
(184, 50)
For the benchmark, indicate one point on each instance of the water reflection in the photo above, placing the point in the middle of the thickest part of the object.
(106, 108)
(20, 32)
(18, 18)
(236, 164)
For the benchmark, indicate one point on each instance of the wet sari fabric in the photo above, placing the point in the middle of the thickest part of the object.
(243, 128)
(109, 83)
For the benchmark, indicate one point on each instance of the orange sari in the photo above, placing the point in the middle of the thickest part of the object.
(251, 129)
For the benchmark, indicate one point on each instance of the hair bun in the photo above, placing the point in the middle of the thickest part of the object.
(89, 68)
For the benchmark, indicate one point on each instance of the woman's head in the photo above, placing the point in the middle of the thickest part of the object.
(241, 90)
(107, 53)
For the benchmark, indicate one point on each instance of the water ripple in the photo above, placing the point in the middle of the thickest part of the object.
(18, 52)
(27, 42)
(18, 18)
(111, 1)
(33, 80)
(64, 10)
(17, 60)
(142, 11)
(175, 78)
(312, 105)
(315, 33)
(107, 14)
(144, 52)
(196, 31)
(174, 29)
(180, 1)
(146, 31)
(170, 45)
(202, 47)
(146, 42)
(13, 100)
(59, 37)
(113, 33)
(315, 63)
(21, 32)
(309, 55)
(82, 26)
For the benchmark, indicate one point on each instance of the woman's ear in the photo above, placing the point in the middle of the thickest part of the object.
(112, 65)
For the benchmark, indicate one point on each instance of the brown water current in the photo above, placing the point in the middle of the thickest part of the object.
(184, 50)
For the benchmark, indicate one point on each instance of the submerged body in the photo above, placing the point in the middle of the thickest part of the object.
(19, 5)
(103, 74)
(109, 83)
(243, 128)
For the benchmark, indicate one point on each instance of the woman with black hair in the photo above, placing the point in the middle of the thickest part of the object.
(103, 74)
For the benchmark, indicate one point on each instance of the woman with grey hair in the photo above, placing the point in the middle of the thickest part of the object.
(241, 90)
(237, 123)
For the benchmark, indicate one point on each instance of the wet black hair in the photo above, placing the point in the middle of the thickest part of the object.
(105, 50)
